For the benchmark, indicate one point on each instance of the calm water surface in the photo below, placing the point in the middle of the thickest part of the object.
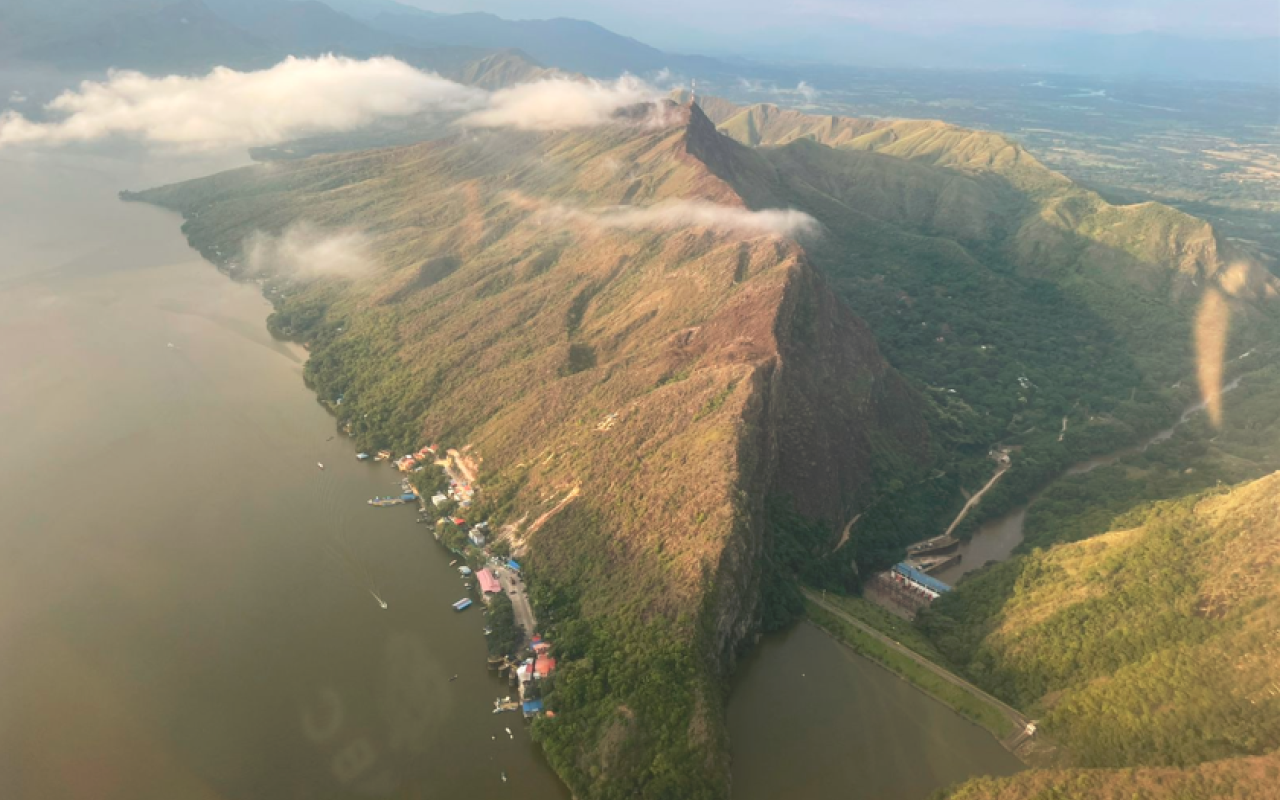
(185, 597)
(185, 605)
(812, 719)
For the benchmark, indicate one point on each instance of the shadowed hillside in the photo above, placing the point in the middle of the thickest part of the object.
(506, 314)
(1022, 301)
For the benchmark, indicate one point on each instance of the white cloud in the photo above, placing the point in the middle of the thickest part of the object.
(802, 89)
(675, 214)
(16, 97)
(806, 91)
(305, 251)
(297, 97)
(560, 103)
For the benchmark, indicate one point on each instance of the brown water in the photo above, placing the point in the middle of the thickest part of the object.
(996, 539)
(186, 603)
(812, 719)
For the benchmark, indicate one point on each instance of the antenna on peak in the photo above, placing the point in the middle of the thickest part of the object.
(693, 92)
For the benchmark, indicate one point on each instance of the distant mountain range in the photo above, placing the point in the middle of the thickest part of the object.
(193, 35)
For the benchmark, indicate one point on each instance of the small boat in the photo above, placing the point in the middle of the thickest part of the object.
(318, 464)
(504, 776)
(362, 456)
(454, 678)
(509, 733)
(455, 561)
(462, 604)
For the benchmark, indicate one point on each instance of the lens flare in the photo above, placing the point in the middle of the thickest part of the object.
(1213, 324)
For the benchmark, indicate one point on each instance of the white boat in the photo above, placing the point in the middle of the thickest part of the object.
(318, 464)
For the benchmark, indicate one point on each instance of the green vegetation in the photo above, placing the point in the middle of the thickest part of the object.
(927, 228)
(504, 634)
(1195, 458)
(749, 412)
(797, 550)
(958, 698)
(889, 624)
(1118, 643)
(1230, 779)
(625, 698)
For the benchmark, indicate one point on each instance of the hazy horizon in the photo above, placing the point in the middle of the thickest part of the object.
(666, 22)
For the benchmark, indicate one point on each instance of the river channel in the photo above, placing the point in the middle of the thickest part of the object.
(996, 539)
(186, 597)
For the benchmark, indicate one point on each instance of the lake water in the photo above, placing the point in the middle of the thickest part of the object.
(186, 604)
(811, 719)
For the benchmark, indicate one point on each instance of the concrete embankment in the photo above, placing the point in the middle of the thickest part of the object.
(1013, 729)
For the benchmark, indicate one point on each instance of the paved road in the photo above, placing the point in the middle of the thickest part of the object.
(511, 582)
(1019, 720)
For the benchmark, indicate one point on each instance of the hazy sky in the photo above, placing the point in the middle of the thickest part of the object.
(1196, 18)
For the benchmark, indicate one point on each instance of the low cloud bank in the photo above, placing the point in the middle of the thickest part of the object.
(307, 96)
(297, 97)
(677, 214)
(802, 89)
(560, 103)
(305, 251)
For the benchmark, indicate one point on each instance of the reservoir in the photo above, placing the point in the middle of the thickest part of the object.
(185, 607)
(809, 718)
(187, 600)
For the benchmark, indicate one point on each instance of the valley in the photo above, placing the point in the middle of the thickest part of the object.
(855, 415)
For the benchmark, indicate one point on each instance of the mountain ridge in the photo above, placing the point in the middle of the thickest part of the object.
(729, 373)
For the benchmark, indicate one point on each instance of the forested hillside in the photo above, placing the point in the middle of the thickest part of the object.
(1235, 778)
(1022, 303)
(676, 418)
(633, 392)
(1153, 644)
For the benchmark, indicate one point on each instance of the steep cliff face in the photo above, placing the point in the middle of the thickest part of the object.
(635, 360)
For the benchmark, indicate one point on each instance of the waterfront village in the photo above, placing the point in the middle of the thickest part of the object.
(487, 569)
(515, 648)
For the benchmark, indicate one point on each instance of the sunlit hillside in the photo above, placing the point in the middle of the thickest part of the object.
(1154, 644)
(632, 392)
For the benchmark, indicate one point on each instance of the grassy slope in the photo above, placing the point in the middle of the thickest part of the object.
(1253, 778)
(494, 321)
(1152, 644)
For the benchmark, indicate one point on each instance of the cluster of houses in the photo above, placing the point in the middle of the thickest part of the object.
(414, 461)
(530, 674)
(460, 493)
